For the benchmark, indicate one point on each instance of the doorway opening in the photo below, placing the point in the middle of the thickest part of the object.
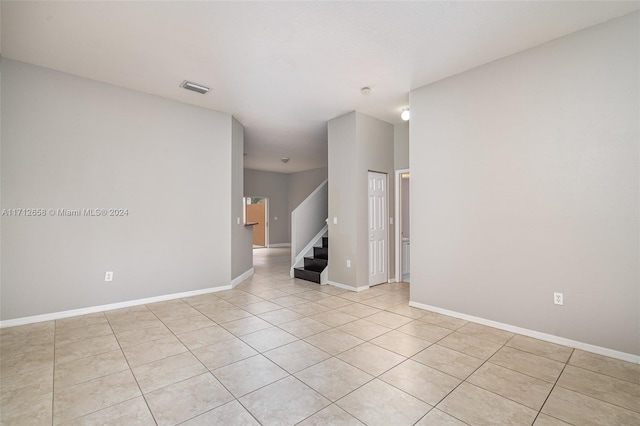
(257, 211)
(403, 226)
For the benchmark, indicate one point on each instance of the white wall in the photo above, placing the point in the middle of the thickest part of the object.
(524, 182)
(73, 143)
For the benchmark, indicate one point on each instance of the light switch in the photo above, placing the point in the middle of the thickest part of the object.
(335, 220)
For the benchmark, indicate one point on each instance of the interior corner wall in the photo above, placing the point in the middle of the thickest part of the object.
(71, 143)
(401, 145)
(357, 144)
(524, 182)
(241, 236)
(258, 183)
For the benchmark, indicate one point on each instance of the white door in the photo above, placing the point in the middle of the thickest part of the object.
(377, 228)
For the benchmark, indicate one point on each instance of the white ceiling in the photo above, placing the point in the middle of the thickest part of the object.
(285, 68)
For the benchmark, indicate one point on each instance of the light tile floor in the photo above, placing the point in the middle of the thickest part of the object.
(279, 351)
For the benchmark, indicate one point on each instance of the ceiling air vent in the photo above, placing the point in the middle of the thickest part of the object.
(195, 87)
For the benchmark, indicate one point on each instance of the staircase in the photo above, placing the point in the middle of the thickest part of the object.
(313, 266)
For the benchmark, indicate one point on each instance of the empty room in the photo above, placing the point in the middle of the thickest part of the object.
(320, 213)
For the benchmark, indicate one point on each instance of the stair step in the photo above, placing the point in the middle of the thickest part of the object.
(307, 275)
(321, 252)
(325, 242)
(315, 264)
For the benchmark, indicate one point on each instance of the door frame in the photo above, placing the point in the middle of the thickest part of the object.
(398, 230)
(266, 217)
(385, 220)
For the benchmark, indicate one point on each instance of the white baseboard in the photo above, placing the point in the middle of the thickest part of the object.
(347, 287)
(324, 276)
(237, 280)
(279, 245)
(532, 333)
(391, 280)
(110, 307)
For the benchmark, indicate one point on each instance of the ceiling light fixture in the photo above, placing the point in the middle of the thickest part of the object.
(365, 90)
(405, 114)
(285, 160)
(195, 87)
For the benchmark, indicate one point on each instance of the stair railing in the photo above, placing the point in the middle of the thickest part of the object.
(308, 221)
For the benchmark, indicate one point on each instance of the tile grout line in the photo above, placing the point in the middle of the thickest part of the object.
(594, 397)
(99, 377)
(331, 356)
(353, 366)
(237, 399)
(193, 355)
(120, 347)
(53, 375)
(277, 326)
(131, 369)
(465, 380)
(552, 388)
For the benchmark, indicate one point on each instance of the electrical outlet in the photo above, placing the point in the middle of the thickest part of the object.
(108, 276)
(558, 298)
(348, 263)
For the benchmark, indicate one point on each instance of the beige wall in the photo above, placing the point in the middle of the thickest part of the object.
(285, 191)
(241, 236)
(274, 186)
(73, 143)
(401, 145)
(342, 186)
(524, 182)
(357, 144)
(302, 184)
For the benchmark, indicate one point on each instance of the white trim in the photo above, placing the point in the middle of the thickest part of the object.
(297, 256)
(101, 308)
(279, 245)
(348, 287)
(298, 259)
(398, 223)
(391, 280)
(387, 255)
(324, 276)
(246, 274)
(532, 333)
